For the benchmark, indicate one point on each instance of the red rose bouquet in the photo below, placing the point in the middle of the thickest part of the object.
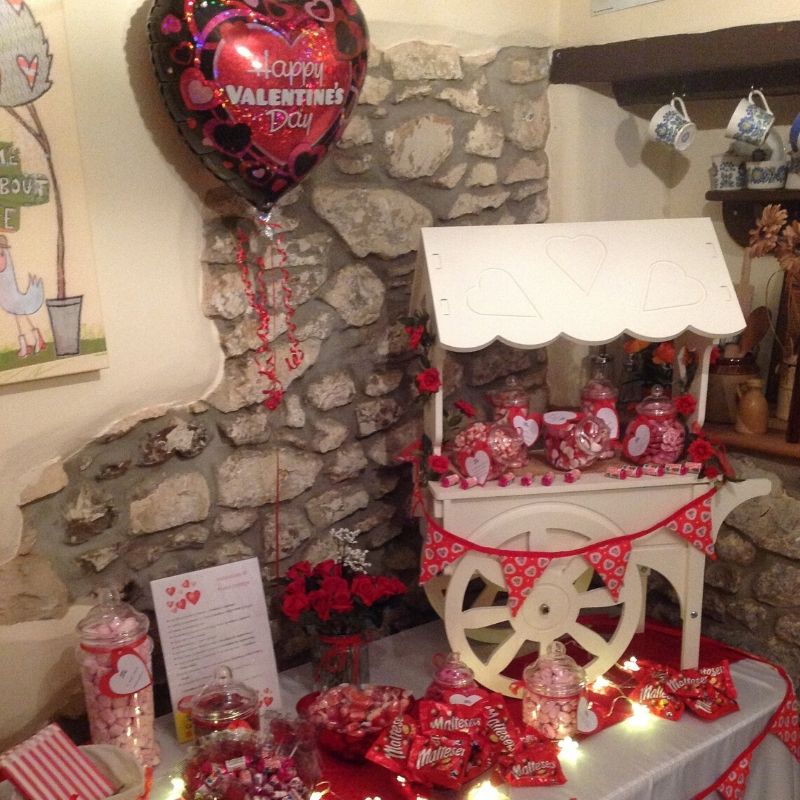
(341, 606)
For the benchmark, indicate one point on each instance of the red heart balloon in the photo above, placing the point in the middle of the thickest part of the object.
(260, 89)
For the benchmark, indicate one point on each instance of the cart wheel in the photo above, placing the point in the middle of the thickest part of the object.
(558, 598)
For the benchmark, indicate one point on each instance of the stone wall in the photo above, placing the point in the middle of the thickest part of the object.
(437, 139)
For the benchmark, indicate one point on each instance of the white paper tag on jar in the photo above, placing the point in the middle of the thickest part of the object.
(587, 719)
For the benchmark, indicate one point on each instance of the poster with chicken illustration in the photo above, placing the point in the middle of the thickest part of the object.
(50, 321)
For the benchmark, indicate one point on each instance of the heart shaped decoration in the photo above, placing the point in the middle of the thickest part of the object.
(464, 699)
(29, 68)
(186, 583)
(181, 604)
(587, 719)
(170, 590)
(579, 258)
(270, 85)
(528, 428)
(128, 674)
(636, 440)
(193, 596)
(478, 464)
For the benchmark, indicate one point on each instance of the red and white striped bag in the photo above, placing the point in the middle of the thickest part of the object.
(49, 766)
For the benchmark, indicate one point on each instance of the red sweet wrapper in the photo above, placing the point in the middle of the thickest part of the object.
(393, 745)
(719, 676)
(653, 693)
(434, 716)
(712, 705)
(439, 760)
(480, 757)
(534, 764)
(501, 731)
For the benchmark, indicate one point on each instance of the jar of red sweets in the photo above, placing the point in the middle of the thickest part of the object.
(599, 398)
(508, 401)
(655, 434)
(223, 704)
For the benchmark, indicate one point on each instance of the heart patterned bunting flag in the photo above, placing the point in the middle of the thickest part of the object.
(521, 572)
(734, 785)
(693, 523)
(610, 561)
(785, 724)
(440, 550)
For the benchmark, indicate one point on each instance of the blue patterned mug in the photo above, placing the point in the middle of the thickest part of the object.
(750, 122)
(671, 125)
(766, 174)
(728, 172)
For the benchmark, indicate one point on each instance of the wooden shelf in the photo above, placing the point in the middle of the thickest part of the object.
(741, 208)
(772, 443)
(717, 64)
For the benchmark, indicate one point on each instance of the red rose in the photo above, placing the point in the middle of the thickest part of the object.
(294, 605)
(439, 464)
(300, 570)
(364, 589)
(710, 472)
(465, 408)
(685, 404)
(429, 381)
(296, 587)
(388, 587)
(328, 567)
(700, 450)
(414, 336)
(321, 603)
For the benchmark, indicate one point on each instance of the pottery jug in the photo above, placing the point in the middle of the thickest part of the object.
(752, 413)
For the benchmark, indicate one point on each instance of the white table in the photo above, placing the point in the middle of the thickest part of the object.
(662, 761)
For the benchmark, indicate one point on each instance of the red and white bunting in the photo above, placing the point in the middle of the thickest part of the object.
(441, 549)
(786, 722)
(693, 522)
(734, 784)
(521, 573)
(610, 561)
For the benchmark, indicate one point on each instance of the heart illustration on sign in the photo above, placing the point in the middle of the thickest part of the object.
(478, 464)
(16, 5)
(579, 258)
(181, 603)
(186, 583)
(587, 719)
(129, 674)
(193, 596)
(29, 68)
(170, 590)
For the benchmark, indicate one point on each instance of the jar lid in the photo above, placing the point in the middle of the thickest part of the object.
(656, 404)
(112, 622)
(511, 393)
(555, 673)
(223, 699)
(452, 672)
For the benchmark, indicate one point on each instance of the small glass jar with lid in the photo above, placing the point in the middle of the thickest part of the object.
(511, 397)
(655, 434)
(224, 703)
(553, 686)
(452, 677)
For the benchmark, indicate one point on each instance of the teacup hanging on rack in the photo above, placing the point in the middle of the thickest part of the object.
(672, 126)
(750, 121)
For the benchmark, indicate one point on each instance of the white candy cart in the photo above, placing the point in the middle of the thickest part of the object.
(526, 285)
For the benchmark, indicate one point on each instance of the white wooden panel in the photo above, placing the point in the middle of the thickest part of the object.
(590, 281)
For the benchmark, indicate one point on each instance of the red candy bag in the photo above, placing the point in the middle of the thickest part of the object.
(534, 764)
(653, 693)
(393, 744)
(501, 731)
(439, 760)
(712, 705)
(479, 759)
(434, 716)
(720, 678)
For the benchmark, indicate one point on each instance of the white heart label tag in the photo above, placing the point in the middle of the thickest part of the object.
(130, 675)
(637, 443)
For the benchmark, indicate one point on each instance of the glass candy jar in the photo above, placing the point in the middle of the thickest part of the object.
(573, 440)
(511, 398)
(655, 434)
(506, 447)
(553, 685)
(599, 399)
(224, 703)
(115, 656)
(453, 681)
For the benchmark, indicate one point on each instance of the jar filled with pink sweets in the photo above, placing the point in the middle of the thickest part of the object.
(553, 686)
(655, 434)
(115, 656)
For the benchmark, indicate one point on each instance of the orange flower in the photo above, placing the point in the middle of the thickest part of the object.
(634, 346)
(764, 237)
(664, 353)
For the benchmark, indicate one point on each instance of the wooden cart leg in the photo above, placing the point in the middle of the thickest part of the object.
(692, 607)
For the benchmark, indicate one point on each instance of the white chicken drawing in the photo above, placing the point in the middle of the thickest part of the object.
(20, 304)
